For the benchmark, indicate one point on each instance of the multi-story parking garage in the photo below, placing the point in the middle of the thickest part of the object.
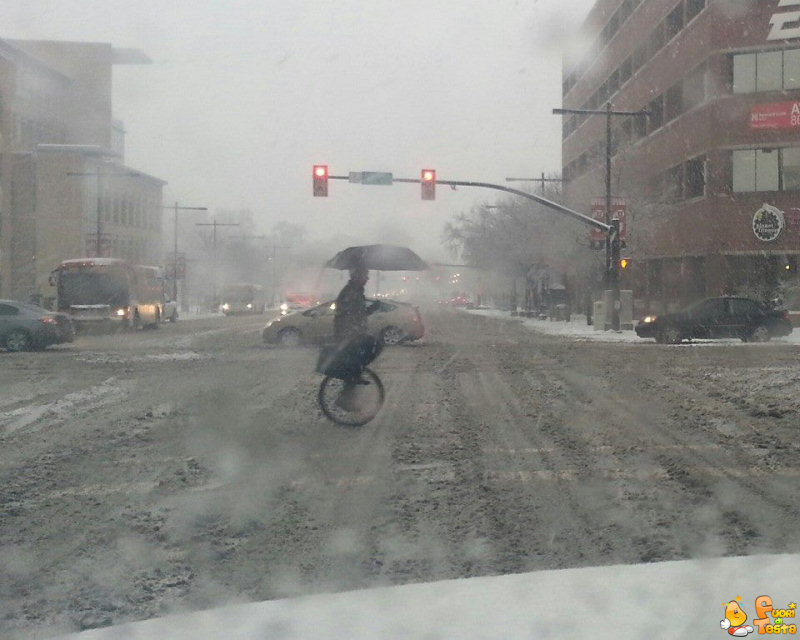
(711, 177)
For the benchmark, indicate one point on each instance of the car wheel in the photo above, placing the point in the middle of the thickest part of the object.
(760, 334)
(392, 335)
(18, 341)
(671, 335)
(289, 337)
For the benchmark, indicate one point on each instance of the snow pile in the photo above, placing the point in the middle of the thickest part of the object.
(577, 329)
(118, 358)
(661, 600)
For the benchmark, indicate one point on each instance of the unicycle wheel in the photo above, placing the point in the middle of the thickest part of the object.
(352, 405)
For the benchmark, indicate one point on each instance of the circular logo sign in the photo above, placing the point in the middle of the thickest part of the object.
(768, 223)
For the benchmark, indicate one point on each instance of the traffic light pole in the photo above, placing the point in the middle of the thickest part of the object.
(612, 238)
(606, 228)
(611, 230)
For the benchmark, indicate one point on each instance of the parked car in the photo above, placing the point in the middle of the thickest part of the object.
(393, 322)
(723, 317)
(24, 327)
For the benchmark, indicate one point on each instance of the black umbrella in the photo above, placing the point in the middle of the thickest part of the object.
(381, 257)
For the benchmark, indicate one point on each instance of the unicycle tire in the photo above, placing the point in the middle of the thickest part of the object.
(368, 399)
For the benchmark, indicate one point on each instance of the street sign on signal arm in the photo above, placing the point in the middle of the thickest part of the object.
(370, 177)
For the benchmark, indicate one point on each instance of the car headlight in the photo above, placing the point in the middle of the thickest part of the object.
(284, 306)
(226, 306)
(249, 305)
(649, 319)
(121, 313)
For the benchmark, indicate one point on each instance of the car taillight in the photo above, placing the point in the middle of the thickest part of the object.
(49, 320)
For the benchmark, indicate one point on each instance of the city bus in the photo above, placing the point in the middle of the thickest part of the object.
(106, 293)
(242, 297)
(154, 289)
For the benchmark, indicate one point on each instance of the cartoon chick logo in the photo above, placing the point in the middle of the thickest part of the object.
(768, 619)
(735, 618)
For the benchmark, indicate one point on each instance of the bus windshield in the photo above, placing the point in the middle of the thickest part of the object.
(94, 287)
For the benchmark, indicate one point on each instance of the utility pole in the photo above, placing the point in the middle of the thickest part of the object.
(176, 208)
(215, 224)
(99, 175)
(612, 239)
(541, 180)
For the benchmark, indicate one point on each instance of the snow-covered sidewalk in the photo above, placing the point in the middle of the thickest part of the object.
(577, 329)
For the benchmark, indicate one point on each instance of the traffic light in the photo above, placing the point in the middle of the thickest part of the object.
(428, 182)
(624, 263)
(320, 175)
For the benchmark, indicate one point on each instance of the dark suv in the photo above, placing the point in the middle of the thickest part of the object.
(725, 317)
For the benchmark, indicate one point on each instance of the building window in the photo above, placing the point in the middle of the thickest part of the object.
(790, 165)
(673, 102)
(674, 22)
(673, 183)
(696, 177)
(657, 39)
(756, 170)
(656, 109)
(766, 71)
(791, 69)
(694, 88)
(693, 7)
(769, 71)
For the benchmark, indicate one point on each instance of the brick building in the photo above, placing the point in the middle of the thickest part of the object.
(711, 178)
(55, 124)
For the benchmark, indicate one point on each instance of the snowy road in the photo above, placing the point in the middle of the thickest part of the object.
(190, 467)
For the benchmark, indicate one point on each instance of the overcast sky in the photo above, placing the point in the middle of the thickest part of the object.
(244, 96)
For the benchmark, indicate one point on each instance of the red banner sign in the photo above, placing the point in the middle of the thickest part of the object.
(777, 115)
(618, 210)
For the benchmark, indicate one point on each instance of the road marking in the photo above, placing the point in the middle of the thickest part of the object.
(110, 390)
(600, 448)
(546, 475)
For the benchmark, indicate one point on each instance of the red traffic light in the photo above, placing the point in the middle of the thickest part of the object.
(428, 182)
(320, 176)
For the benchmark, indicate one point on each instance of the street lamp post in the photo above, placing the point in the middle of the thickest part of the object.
(176, 208)
(612, 237)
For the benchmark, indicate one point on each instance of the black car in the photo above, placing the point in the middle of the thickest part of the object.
(25, 326)
(723, 317)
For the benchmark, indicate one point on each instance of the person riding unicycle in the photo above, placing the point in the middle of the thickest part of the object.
(355, 346)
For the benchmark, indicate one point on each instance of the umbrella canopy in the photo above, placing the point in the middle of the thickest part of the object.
(381, 257)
